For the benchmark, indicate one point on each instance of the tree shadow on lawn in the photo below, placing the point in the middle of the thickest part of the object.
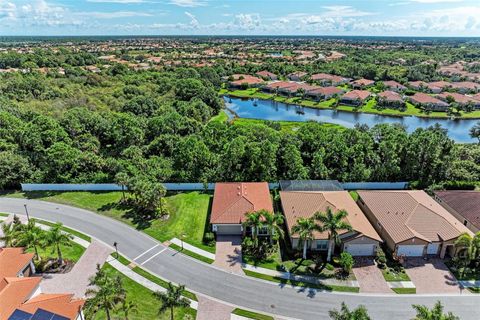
(141, 219)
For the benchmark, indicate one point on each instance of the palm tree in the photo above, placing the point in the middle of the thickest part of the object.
(127, 307)
(10, 235)
(31, 236)
(332, 223)
(254, 221)
(469, 247)
(171, 299)
(344, 313)
(436, 313)
(273, 221)
(56, 238)
(106, 294)
(304, 229)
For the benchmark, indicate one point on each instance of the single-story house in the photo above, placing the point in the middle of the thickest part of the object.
(362, 83)
(476, 96)
(297, 76)
(428, 102)
(363, 240)
(466, 86)
(295, 88)
(21, 295)
(439, 86)
(394, 86)
(463, 205)
(390, 99)
(267, 75)
(355, 97)
(324, 93)
(419, 85)
(411, 223)
(461, 99)
(274, 87)
(232, 200)
(245, 80)
(326, 79)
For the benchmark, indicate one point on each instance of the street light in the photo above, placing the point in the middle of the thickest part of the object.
(115, 244)
(26, 210)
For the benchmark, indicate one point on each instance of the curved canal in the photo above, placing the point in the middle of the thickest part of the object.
(458, 130)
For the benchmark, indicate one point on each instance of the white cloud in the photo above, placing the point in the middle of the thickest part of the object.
(118, 1)
(188, 3)
(193, 20)
(248, 21)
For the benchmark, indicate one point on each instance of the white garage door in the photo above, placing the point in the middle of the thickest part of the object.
(229, 229)
(360, 249)
(410, 250)
(432, 248)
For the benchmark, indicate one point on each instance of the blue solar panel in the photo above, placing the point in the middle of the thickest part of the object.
(58, 317)
(20, 315)
(42, 315)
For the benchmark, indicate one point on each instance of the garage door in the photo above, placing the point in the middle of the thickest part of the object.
(360, 249)
(229, 229)
(432, 248)
(410, 250)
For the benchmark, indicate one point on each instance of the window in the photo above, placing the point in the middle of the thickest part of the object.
(263, 231)
(322, 244)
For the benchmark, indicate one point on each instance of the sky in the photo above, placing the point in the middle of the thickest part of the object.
(241, 17)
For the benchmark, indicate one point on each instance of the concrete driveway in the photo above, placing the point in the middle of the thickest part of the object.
(431, 276)
(228, 253)
(370, 277)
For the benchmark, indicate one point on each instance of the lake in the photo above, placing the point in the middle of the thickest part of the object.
(458, 129)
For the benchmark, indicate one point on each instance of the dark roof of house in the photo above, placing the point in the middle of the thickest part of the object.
(465, 203)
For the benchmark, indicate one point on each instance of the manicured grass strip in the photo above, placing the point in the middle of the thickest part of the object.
(390, 275)
(66, 229)
(191, 254)
(121, 259)
(161, 282)
(300, 284)
(404, 290)
(73, 252)
(146, 304)
(4, 214)
(251, 314)
(474, 289)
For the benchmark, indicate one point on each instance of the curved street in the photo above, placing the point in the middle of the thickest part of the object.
(231, 288)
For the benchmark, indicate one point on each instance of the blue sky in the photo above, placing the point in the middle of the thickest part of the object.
(240, 17)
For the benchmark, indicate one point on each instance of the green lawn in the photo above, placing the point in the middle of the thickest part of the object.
(390, 275)
(287, 126)
(67, 230)
(4, 214)
(404, 290)
(251, 314)
(300, 283)
(147, 305)
(222, 117)
(188, 212)
(71, 253)
(191, 254)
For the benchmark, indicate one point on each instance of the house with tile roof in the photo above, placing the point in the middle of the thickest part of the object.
(363, 240)
(233, 200)
(362, 83)
(355, 97)
(324, 93)
(394, 86)
(428, 102)
(463, 205)
(461, 99)
(21, 296)
(267, 75)
(411, 223)
(390, 99)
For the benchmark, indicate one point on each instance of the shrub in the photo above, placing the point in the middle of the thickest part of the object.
(346, 262)
(329, 267)
(209, 238)
(381, 258)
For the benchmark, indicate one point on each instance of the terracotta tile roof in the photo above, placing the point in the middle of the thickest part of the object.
(328, 91)
(280, 84)
(12, 261)
(466, 85)
(417, 84)
(303, 204)
(15, 292)
(296, 86)
(231, 200)
(407, 214)
(328, 77)
(394, 84)
(61, 304)
(266, 74)
(363, 82)
(460, 98)
(423, 98)
(465, 203)
(476, 96)
(357, 95)
(390, 96)
(440, 84)
(246, 79)
(299, 74)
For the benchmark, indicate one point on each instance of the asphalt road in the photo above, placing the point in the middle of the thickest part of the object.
(234, 289)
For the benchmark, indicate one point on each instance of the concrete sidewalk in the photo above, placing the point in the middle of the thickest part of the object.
(194, 249)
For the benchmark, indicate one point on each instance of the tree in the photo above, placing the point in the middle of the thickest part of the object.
(469, 247)
(57, 238)
(123, 180)
(128, 307)
(9, 235)
(359, 313)
(475, 131)
(274, 222)
(106, 294)
(332, 223)
(436, 313)
(304, 229)
(171, 299)
(346, 262)
(254, 221)
(32, 236)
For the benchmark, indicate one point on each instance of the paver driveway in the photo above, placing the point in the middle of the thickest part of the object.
(431, 276)
(228, 253)
(209, 309)
(369, 276)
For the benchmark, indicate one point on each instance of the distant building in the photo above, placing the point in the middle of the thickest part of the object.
(461, 99)
(362, 83)
(297, 76)
(355, 97)
(324, 93)
(390, 99)
(428, 102)
(267, 75)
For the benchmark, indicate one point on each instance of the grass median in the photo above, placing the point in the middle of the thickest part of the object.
(191, 254)
(251, 314)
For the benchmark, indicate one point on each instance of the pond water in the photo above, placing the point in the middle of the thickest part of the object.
(458, 130)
